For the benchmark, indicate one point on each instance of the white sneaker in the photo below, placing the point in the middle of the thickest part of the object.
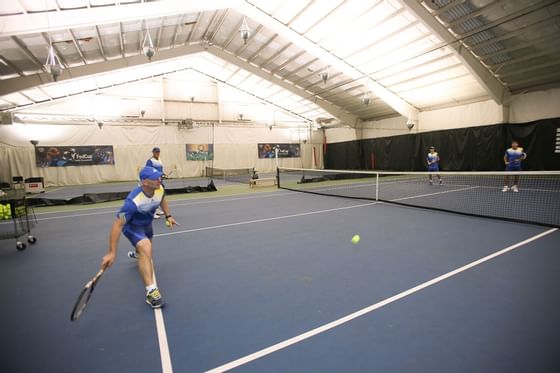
(440, 182)
(133, 254)
(514, 188)
(431, 182)
(505, 188)
(156, 215)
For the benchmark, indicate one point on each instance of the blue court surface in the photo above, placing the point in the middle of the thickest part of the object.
(270, 282)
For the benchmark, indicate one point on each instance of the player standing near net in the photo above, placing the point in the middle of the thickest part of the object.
(156, 163)
(513, 158)
(433, 164)
(134, 220)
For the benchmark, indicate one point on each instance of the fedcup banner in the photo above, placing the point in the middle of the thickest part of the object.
(200, 152)
(62, 156)
(268, 150)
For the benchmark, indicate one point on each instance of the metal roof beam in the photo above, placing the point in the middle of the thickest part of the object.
(17, 84)
(334, 110)
(396, 102)
(30, 23)
(493, 87)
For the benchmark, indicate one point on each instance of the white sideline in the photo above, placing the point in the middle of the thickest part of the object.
(363, 311)
(166, 366)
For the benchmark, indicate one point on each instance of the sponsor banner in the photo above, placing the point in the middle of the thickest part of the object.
(200, 152)
(284, 150)
(62, 156)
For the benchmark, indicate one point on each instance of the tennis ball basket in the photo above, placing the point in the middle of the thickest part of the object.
(17, 219)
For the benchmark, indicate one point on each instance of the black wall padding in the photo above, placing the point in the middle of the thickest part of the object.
(464, 149)
(90, 198)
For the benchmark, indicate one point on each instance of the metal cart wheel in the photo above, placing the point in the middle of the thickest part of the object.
(31, 239)
(20, 246)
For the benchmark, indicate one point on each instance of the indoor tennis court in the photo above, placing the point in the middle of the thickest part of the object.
(246, 273)
(279, 186)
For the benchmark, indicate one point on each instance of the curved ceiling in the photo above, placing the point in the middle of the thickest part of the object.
(353, 60)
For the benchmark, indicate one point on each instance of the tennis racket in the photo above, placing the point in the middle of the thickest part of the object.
(85, 295)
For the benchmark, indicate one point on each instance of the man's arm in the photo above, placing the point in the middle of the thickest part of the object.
(114, 236)
(505, 159)
(165, 207)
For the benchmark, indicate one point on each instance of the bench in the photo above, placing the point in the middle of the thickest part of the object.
(267, 181)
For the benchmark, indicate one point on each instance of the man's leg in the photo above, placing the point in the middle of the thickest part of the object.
(146, 269)
(506, 184)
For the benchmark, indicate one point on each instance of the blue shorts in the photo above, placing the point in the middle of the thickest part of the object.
(136, 233)
(433, 167)
(513, 167)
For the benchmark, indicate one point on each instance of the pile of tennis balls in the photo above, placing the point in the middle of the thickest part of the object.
(6, 211)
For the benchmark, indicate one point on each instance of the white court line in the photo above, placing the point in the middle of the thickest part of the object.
(298, 215)
(431, 194)
(264, 219)
(166, 366)
(363, 311)
(113, 209)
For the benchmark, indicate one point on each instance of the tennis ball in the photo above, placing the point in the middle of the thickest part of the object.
(356, 239)
(168, 223)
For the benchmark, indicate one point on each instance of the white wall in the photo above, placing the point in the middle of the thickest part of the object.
(535, 105)
(234, 146)
(521, 108)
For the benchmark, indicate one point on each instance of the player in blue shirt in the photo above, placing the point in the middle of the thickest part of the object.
(156, 163)
(134, 220)
(433, 164)
(513, 158)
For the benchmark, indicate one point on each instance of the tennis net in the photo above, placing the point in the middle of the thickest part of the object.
(536, 201)
(236, 175)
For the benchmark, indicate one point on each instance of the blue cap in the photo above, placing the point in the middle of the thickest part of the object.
(156, 149)
(150, 173)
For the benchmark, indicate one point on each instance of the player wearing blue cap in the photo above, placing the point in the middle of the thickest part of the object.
(433, 164)
(513, 158)
(156, 163)
(134, 220)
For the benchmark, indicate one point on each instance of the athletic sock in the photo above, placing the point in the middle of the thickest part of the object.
(150, 288)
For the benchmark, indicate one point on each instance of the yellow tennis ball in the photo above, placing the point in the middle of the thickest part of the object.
(356, 239)
(168, 223)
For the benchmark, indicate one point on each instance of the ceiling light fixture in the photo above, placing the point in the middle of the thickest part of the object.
(324, 74)
(53, 65)
(148, 46)
(244, 30)
(365, 99)
(410, 124)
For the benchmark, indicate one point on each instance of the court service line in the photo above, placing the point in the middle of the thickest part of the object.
(113, 209)
(333, 324)
(264, 219)
(431, 194)
(165, 357)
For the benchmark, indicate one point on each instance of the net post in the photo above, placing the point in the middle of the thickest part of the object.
(278, 177)
(377, 186)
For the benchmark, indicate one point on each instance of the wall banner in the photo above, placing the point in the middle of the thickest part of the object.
(200, 152)
(62, 156)
(284, 150)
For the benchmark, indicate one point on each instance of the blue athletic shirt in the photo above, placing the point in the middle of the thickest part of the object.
(433, 159)
(514, 155)
(138, 209)
(155, 163)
